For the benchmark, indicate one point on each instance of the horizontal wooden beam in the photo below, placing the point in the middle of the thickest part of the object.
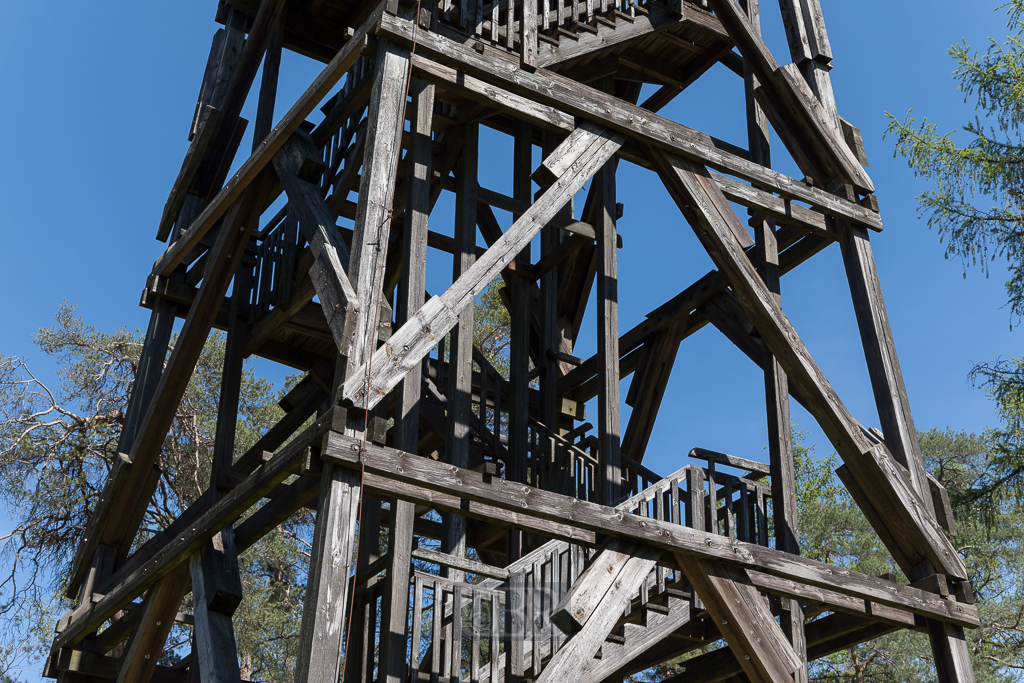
(545, 512)
(550, 88)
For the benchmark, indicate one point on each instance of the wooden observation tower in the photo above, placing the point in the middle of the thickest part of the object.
(523, 543)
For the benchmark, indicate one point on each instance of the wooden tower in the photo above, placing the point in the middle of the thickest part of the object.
(559, 556)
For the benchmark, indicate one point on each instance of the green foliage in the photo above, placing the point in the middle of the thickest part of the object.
(492, 326)
(832, 529)
(982, 163)
(57, 445)
(1003, 473)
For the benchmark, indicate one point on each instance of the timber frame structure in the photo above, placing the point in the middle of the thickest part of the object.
(560, 556)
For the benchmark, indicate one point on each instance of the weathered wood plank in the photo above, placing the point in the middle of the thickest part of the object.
(326, 599)
(577, 99)
(580, 649)
(460, 350)
(232, 87)
(226, 256)
(409, 300)
(131, 579)
(587, 592)
(709, 213)
(337, 295)
(447, 487)
(155, 620)
(608, 403)
(743, 619)
(253, 166)
(408, 346)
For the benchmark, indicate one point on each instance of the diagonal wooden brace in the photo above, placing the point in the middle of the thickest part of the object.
(578, 652)
(590, 149)
(791, 106)
(899, 506)
(743, 618)
(330, 252)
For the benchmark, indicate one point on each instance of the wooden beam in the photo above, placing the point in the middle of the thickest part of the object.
(552, 514)
(587, 592)
(658, 18)
(216, 580)
(156, 617)
(574, 98)
(578, 652)
(330, 252)
(386, 117)
(233, 85)
(813, 137)
(253, 166)
(407, 414)
(460, 349)
(825, 636)
(647, 388)
(591, 147)
(709, 214)
(608, 337)
(326, 599)
(147, 377)
(171, 551)
(744, 620)
(122, 520)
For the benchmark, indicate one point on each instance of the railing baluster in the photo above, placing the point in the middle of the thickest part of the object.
(436, 661)
(456, 640)
(417, 619)
(744, 514)
(762, 519)
(474, 653)
(494, 639)
(730, 520)
(536, 613)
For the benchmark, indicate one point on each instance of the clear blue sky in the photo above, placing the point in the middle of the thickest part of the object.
(97, 99)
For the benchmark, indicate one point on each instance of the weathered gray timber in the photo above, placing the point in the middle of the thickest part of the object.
(743, 618)
(523, 541)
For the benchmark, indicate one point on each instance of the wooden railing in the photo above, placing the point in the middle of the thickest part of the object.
(491, 20)
(503, 615)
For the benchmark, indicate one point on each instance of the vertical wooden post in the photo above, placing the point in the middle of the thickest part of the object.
(551, 335)
(460, 365)
(776, 384)
(385, 122)
(395, 605)
(519, 342)
(515, 629)
(949, 645)
(268, 86)
(528, 35)
(327, 590)
(608, 335)
(216, 582)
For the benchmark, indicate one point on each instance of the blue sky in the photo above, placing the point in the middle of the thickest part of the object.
(97, 100)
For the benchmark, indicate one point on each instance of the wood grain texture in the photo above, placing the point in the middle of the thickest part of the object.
(743, 618)
(255, 164)
(577, 99)
(415, 478)
(708, 212)
(411, 343)
(326, 599)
